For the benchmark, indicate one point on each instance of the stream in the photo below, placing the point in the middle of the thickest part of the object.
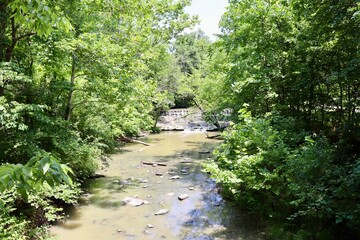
(203, 215)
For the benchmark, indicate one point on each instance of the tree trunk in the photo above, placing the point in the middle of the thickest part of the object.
(3, 25)
(349, 104)
(10, 48)
(213, 118)
(71, 90)
(157, 114)
(340, 93)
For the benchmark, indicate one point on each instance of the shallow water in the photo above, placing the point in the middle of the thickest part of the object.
(204, 215)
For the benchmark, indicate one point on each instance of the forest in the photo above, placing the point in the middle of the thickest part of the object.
(77, 76)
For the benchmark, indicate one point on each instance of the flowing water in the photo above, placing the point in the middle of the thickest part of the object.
(103, 215)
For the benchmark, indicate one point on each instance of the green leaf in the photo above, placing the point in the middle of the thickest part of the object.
(45, 167)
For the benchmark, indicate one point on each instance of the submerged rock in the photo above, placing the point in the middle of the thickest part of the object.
(185, 171)
(186, 160)
(204, 151)
(183, 197)
(134, 201)
(174, 177)
(125, 181)
(171, 194)
(162, 212)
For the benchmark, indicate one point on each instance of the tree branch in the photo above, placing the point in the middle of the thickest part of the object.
(83, 102)
(79, 75)
(24, 36)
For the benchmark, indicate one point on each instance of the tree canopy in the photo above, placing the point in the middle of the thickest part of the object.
(74, 77)
(292, 75)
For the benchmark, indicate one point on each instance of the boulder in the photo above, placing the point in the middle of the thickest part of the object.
(174, 177)
(183, 197)
(134, 201)
(162, 212)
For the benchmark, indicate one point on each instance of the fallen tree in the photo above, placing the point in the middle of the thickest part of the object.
(130, 140)
(154, 163)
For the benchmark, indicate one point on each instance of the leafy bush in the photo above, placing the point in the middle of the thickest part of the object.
(273, 170)
(42, 171)
(249, 163)
(27, 219)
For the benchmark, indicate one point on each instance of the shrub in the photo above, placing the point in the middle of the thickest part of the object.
(298, 182)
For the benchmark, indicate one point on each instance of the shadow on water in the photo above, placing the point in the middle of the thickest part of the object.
(95, 194)
(72, 226)
(220, 218)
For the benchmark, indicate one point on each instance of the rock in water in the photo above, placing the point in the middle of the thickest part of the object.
(204, 151)
(186, 160)
(174, 177)
(133, 201)
(185, 171)
(183, 197)
(162, 212)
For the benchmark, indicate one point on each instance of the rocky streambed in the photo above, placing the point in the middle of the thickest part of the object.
(157, 192)
(187, 119)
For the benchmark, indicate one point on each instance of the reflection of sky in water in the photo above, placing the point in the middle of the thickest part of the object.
(204, 215)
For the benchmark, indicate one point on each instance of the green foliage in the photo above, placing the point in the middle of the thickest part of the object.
(274, 171)
(191, 52)
(25, 220)
(74, 77)
(249, 163)
(11, 227)
(296, 59)
(211, 94)
(39, 16)
(29, 193)
(40, 171)
(326, 187)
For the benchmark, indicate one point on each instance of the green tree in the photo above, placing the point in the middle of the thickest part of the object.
(294, 65)
(92, 84)
(191, 51)
(21, 19)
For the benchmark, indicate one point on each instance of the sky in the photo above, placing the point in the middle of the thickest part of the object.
(209, 12)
